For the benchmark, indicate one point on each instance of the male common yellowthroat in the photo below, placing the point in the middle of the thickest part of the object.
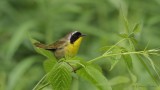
(66, 46)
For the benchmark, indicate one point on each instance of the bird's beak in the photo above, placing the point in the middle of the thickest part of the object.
(83, 35)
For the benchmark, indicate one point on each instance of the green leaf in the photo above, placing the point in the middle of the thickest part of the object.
(137, 28)
(48, 65)
(152, 64)
(131, 35)
(60, 76)
(134, 41)
(123, 35)
(128, 61)
(131, 44)
(148, 70)
(96, 77)
(119, 80)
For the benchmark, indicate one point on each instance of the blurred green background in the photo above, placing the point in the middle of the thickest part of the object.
(48, 20)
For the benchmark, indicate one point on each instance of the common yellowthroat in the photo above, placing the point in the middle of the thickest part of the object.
(65, 47)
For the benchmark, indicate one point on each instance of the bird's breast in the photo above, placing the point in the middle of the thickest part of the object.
(72, 49)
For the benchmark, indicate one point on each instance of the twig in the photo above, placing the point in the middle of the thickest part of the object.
(43, 86)
(39, 82)
(104, 56)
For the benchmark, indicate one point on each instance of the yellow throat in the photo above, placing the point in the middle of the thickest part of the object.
(72, 49)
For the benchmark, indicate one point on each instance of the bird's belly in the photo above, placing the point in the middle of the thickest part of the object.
(60, 53)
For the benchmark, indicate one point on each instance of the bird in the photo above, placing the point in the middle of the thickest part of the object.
(67, 46)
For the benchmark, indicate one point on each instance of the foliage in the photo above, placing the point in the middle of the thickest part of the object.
(126, 32)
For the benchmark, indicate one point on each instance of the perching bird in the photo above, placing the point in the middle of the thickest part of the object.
(65, 47)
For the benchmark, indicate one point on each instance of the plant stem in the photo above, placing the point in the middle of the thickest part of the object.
(39, 82)
(104, 56)
(43, 86)
(114, 46)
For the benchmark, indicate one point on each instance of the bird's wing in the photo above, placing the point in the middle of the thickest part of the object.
(56, 45)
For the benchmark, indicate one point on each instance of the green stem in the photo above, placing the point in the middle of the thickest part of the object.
(114, 46)
(39, 82)
(43, 86)
(104, 56)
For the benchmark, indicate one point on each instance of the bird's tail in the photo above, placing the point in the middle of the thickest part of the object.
(40, 45)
